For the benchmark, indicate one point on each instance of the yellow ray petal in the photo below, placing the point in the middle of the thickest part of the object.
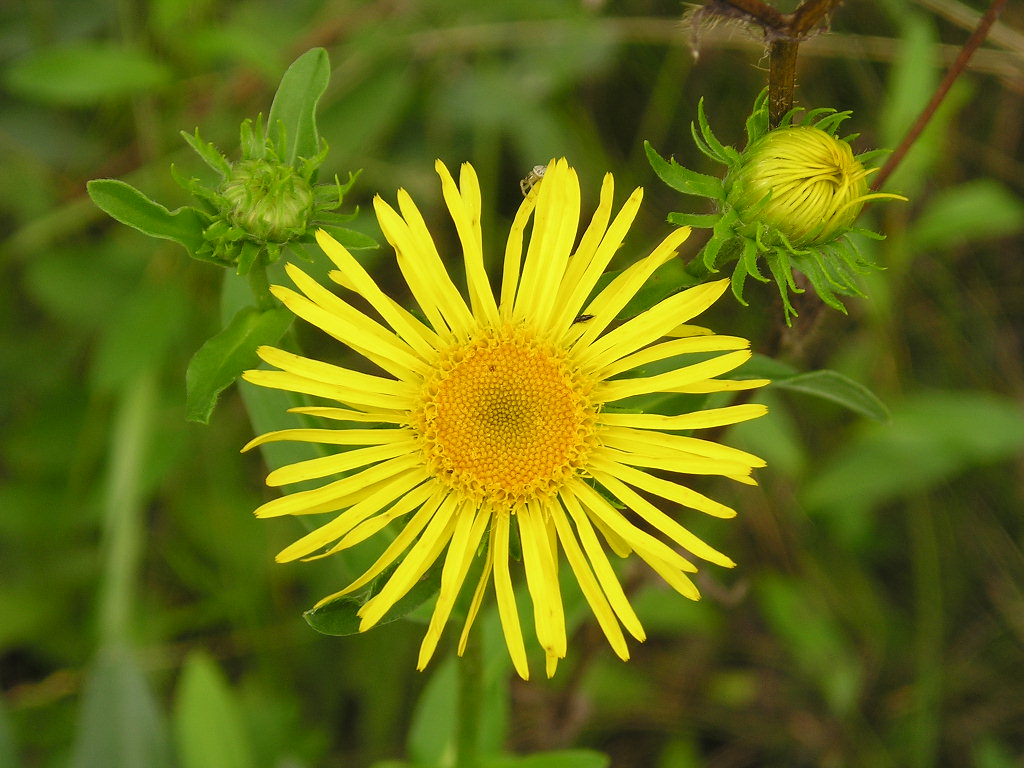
(648, 326)
(508, 612)
(643, 543)
(332, 436)
(646, 441)
(334, 374)
(602, 568)
(708, 386)
(478, 597)
(674, 348)
(347, 395)
(325, 466)
(664, 488)
(350, 518)
(514, 255)
(405, 537)
(415, 563)
(331, 497)
(469, 528)
(618, 389)
(549, 616)
(588, 585)
(344, 414)
(674, 462)
(662, 522)
(403, 506)
(555, 227)
(465, 207)
(360, 281)
(349, 326)
(610, 301)
(711, 417)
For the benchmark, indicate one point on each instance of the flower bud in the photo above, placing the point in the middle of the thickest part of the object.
(800, 181)
(268, 201)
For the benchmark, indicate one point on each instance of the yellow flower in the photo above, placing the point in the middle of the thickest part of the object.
(493, 421)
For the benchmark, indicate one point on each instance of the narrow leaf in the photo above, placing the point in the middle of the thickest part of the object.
(834, 386)
(128, 205)
(222, 358)
(683, 179)
(295, 104)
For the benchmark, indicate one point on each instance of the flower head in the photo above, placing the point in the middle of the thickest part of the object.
(493, 427)
(792, 197)
(802, 182)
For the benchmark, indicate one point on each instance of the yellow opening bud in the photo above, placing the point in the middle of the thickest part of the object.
(802, 182)
(269, 201)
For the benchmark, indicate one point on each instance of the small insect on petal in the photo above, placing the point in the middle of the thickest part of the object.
(534, 176)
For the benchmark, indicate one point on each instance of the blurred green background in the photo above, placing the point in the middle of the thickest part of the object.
(876, 617)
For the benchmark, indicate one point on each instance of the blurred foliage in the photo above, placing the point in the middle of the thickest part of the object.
(875, 617)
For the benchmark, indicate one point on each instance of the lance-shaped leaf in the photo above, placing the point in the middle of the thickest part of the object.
(295, 104)
(222, 358)
(128, 205)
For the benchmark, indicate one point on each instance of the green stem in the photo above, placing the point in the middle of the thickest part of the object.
(123, 505)
(261, 287)
(470, 706)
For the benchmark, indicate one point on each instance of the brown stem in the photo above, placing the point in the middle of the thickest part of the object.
(781, 78)
(958, 66)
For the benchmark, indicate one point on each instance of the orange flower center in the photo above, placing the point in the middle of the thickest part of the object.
(505, 420)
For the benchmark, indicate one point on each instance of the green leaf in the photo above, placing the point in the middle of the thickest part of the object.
(979, 210)
(295, 104)
(339, 618)
(931, 438)
(207, 722)
(222, 358)
(565, 758)
(683, 179)
(128, 205)
(834, 386)
(119, 721)
(86, 73)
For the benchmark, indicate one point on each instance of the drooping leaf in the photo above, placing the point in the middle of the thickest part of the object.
(128, 205)
(840, 389)
(208, 725)
(222, 358)
(295, 103)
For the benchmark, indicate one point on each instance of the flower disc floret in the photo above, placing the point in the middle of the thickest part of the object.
(800, 181)
(505, 420)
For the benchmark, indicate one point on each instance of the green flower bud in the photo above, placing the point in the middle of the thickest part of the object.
(268, 201)
(802, 182)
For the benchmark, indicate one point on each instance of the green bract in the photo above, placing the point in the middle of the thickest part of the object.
(261, 203)
(792, 196)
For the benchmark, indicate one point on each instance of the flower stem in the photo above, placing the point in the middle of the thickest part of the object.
(470, 705)
(260, 287)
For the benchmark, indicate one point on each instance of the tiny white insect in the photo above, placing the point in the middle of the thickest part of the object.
(532, 178)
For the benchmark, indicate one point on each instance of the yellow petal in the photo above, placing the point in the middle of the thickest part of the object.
(508, 612)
